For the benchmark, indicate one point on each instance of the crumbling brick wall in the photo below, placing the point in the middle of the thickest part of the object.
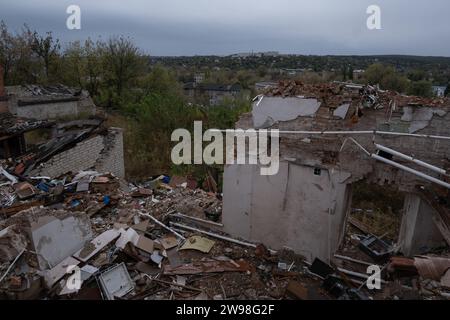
(101, 153)
(112, 157)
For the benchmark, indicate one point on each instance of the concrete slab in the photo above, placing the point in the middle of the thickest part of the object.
(54, 240)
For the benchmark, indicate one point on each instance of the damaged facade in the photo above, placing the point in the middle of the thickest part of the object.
(331, 136)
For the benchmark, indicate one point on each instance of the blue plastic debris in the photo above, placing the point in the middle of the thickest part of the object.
(106, 200)
(43, 186)
(74, 203)
(166, 179)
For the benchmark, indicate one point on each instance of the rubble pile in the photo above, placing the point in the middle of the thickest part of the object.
(93, 236)
(66, 136)
(335, 94)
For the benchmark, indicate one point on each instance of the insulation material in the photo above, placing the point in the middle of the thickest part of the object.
(269, 110)
(434, 268)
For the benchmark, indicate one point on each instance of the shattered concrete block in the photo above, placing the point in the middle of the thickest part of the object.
(55, 239)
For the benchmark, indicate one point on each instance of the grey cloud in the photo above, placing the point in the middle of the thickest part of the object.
(183, 27)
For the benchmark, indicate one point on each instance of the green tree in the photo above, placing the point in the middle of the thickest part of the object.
(47, 49)
(344, 73)
(386, 77)
(350, 72)
(16, 55)
(160, 80)
(94, 66)
(74, 71)
(421, 88)
(262, 71)
(417, 75)
(123, 63)
(7, 54)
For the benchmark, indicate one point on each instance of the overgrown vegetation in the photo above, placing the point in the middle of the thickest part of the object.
(146, 100)
(415, 83)
(378, 207)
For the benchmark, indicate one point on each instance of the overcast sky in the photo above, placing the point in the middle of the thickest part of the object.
(190, 27)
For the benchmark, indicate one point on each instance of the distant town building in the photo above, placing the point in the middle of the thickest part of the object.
(256, 54)
(292, 71)
(199, 77)
(213, 94)
(358, 74)
(439, 91)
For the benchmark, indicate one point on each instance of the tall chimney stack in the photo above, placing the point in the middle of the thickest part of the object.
(3, 97)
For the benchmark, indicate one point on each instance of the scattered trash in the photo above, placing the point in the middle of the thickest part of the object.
(198, 243)
(208, 266)
(376, 248)
(321, 268)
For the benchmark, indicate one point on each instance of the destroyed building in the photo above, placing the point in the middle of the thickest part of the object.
(12, 134)
(71, 226)
(49, 102)
(70, 146)
(331, 136)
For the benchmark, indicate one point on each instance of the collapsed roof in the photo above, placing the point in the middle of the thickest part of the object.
(11, 125)
(38, 94)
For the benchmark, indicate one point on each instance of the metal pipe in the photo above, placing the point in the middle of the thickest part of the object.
(247, 244)
(409, 158)
(407, 169)
(163, 225)
(11, 265)
(373, 132)
(180, 215)
(182, 226)
(352, 260)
